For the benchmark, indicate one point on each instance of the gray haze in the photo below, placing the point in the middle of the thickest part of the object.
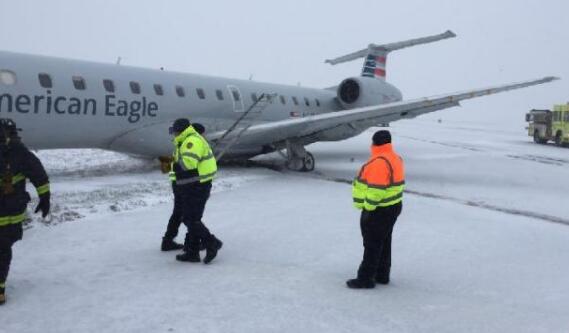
(287, 42)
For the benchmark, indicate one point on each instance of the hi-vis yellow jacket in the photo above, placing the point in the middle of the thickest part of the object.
(193, 158)
(381, 181)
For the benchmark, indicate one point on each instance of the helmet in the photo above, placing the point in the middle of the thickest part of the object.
(8, 130)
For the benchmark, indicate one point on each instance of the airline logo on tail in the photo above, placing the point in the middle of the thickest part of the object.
(376, 55)
(374, 66)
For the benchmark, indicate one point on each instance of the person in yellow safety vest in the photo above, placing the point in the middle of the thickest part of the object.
(16, 164)
(194, 167)
(378, 192)
(168, 243)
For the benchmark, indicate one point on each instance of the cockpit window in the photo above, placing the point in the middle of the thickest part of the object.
(7, 77)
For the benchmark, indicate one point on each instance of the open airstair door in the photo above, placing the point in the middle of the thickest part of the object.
(231, 136)
(237, 99)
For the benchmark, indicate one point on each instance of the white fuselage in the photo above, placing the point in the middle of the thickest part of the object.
(62, 115)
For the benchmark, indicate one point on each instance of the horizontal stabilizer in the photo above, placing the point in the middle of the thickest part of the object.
(386, 48)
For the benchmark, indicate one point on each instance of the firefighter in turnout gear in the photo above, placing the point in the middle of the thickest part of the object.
(378, 192)
(195, 167)
(168, 243)
(17, 164)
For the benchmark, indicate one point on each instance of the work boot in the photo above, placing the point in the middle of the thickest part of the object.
(360, 284)
(211, 249)
(382, 275)
(2, 296)
(168, 244)
(382, 279)
(191, 256)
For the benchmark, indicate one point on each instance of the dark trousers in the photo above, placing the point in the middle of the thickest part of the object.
(9, 235)
(194, 197)
(377, 228)
(176, 217)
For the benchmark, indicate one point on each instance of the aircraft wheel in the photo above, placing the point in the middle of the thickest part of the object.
(308, 163)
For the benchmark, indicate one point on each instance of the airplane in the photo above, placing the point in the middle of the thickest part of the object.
(62, 103)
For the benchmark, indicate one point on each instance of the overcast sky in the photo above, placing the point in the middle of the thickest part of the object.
(499, 41)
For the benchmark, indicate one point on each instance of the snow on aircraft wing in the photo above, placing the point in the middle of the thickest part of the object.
(365, 117)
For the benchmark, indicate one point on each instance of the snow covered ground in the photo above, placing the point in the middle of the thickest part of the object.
(482, 245)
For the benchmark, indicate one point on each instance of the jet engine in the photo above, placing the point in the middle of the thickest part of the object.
(358, 92)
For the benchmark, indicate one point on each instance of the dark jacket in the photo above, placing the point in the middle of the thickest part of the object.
(16, 164)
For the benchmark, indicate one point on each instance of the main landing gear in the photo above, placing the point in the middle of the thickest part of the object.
(298, 159)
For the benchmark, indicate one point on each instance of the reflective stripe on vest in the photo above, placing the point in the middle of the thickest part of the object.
(14, 219)
(205, 165)
(43, 189)
(370, 196)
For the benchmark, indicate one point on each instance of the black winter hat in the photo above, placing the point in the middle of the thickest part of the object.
(381, 137)
(180, 125)
(199, 128)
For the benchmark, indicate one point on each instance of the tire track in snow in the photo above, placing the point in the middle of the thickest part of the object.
(524, 157)
(471, 203)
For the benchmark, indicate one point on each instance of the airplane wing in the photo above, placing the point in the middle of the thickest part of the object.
(308, 129)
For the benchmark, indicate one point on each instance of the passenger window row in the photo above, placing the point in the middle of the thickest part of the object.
(9, 78)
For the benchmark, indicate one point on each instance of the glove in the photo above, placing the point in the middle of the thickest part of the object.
(43, 205)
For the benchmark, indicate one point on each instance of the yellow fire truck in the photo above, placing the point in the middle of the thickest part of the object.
(546, 125)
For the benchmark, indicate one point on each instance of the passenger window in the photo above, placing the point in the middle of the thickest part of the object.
(135, 87)
(109, 86)
(294, 100)
(180, 91)
(7, 77)
(317, 102)
(201, 93)
(254, 97)
(306, 101)
(79, 83)
(236, 96)
(45, 80)
(283, 100)
(158, 90)
(219, 94)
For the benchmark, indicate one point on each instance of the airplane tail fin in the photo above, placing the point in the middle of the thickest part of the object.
(375, 56)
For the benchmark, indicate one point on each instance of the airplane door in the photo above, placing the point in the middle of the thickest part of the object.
(237, 99)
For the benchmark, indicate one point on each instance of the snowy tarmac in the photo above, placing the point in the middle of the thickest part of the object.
(482, 244)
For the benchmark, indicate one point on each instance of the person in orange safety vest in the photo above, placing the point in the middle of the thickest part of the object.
(378, 192)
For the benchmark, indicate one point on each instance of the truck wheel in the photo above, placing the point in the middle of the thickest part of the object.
(559, 139)
(537, 139)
